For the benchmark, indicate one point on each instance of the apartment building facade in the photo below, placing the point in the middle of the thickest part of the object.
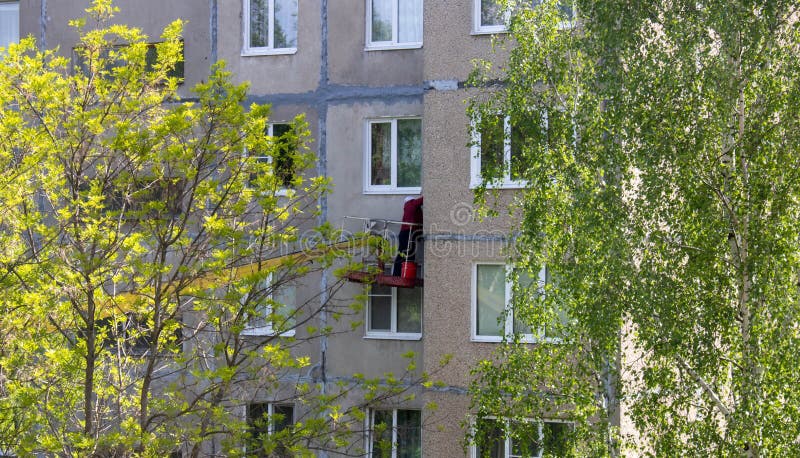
(382, 86)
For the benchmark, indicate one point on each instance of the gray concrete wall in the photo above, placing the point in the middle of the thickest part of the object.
(346, 157)
(351, 65)
(151, 16)
(270, 74)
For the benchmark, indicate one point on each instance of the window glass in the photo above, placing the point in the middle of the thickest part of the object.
(9, 23)
(265, 418)
(285, 24)
(395, 22)
(395, 310)
(381, 135)
(409, 310)
(382, 433)
(492, 13)
(259, 23)
(497, 295)
(499, 146)
(396, 434)
(394, 156)
(491, 299)
(409, 441)
(272, 25)
(381, 308)
(283, 417)
(529, 439)
(556, 438)
(525, 282)
(409, 152)
(518, 139)
(382, 20)
(274, 313)
(523, 440)
(492, 147)
(410, 18)
(491, 440)
(287, 149)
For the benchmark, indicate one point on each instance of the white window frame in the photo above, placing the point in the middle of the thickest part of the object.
(281, 192)
(270, 49)
(392, 334)
(268, 328)
(475, 159)
(480, 29)
(270, 412)
(12, 7)
(371, 425)
(507, 439)
(391, 188)
(393, 43)
(508, 325)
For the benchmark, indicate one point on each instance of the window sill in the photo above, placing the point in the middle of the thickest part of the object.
(392, 47)
(266, 332)
(392, 336)
(526, 340)
(489, 31)
(268, 52)
(499, 185)
(393, 191)
(486, 339)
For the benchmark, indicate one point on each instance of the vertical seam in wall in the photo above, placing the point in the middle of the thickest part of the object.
(322, 170)
(43, 26)
(213, 29)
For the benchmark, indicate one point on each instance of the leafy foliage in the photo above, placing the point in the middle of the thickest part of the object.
(663, 193)
(141, 236)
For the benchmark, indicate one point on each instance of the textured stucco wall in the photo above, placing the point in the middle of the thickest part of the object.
(446, 170)
(443, 432)
(450, 44)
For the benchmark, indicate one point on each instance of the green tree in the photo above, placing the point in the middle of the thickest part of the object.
(663, 190)
(143, 238)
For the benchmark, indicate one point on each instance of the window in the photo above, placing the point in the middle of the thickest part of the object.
(395, 434)
(283, 162)
(492, 314)
(132, 334)
(394, 313)
(270, 27)
(274, 313)
(394, 24)
(266, 419)
(497, 151)
(394, 156)
(489, 16)
(503, 439)
(9, 23)
(140, 197)
(114, 58)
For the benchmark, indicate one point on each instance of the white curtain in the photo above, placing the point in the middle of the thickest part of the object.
(9, 23)
(409, 14)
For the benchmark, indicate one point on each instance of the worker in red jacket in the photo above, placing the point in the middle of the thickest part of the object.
(409, 233)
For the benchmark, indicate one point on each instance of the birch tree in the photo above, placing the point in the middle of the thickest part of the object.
(659, 142)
